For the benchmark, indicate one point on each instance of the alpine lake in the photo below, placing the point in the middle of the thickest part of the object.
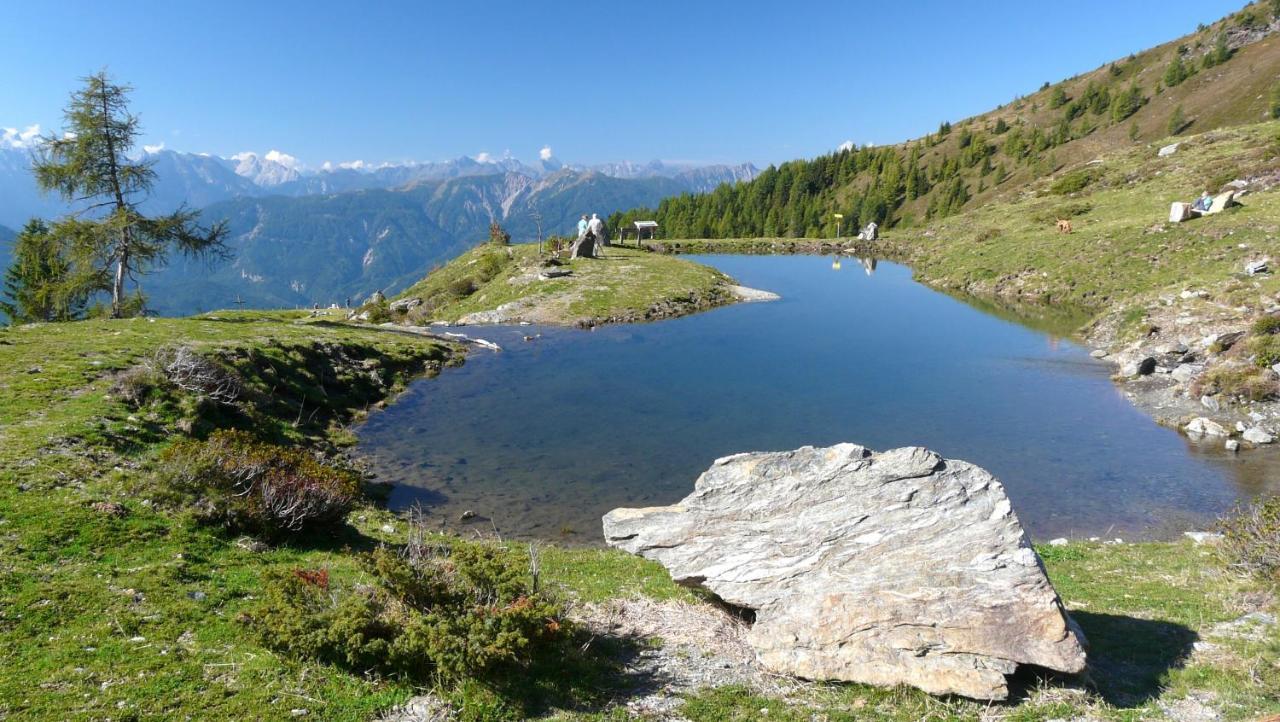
(541, 439)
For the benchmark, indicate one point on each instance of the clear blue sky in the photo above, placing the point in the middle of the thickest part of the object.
(706, 81)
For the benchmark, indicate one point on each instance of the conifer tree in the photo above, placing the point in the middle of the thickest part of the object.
(1177, 121)
(88, 163)
(40, 284)
(1176, 72)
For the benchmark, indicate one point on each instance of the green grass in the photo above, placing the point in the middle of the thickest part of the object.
(137, 617)
(627, 284)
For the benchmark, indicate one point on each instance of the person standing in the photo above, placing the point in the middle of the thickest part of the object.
(596, 228)
(582, 228)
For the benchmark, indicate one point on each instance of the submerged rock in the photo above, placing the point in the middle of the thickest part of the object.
(893, 568)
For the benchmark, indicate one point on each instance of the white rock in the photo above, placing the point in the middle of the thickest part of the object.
(1203, 537)
(1258, 436)
(1200, 426)
(1232, 445)
(1186, 372)
(1059, 542)
(893, 568)
(1168, 150)
(752, 295)
(1099, 353)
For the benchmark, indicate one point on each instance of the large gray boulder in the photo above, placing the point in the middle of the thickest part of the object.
(893, 568)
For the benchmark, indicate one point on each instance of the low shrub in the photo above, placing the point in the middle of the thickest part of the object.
(137, 385)
(244, 484)
(462, 287)
(1251, 539)
(1265, 350)
(444, 609)
(378, 312)
(195, 373)
(1266, 326)
(1073, 182)
(1243, 383)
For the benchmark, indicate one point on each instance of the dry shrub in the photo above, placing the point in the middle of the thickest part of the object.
(194, 373)
(1251, 539)
(1236, 381)
(244, 484)
(136, 385)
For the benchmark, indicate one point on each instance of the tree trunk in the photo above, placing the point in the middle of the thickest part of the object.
(117, 289)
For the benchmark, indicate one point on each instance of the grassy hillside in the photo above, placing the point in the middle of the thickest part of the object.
(1122, 249)
(625, 285)
(1226, 75)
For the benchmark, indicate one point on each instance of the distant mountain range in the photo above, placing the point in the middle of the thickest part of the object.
(200, 179)
(303, 236)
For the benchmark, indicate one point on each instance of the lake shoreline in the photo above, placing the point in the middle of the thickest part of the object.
(1145, 356)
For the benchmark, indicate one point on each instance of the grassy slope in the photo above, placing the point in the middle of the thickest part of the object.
(1122, 249)
(97, 614)
(1232, 94)
(627, 283)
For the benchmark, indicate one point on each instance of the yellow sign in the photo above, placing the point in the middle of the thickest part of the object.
(838, 215)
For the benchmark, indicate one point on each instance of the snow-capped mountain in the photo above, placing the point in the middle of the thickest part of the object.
(268, 170)
(200, 179)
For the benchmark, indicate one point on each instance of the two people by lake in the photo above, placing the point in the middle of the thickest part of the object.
(591, 238)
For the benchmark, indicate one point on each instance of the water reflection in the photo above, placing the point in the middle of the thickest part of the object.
(545, 437)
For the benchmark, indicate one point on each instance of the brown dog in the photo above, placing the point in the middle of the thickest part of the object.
(1064, 225)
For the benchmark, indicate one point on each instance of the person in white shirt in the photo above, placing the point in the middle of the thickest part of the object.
(596, 227)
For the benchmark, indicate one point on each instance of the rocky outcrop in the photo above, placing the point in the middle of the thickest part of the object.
(889, 568)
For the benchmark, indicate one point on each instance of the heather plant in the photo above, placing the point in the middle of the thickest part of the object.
(439, 608)
(234, 480)
(1251, 539)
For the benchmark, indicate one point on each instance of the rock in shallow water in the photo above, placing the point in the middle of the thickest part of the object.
(893, 568)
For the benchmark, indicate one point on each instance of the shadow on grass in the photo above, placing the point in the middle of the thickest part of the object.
(1128, 657)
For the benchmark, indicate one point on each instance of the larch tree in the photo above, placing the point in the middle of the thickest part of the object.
(88, 165)
(40, 283)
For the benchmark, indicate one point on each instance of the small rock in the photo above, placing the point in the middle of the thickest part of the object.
(1210, 403)
(406, 304)
(1232, 445)
(109, 508)
(197, 595)
(1099, 353)
(1200, 426)
(252, 545)
(1255, 268)
(1168, 150)
(1141, 367)
(1185, 372)
(1203, 537)
(468, 514)
(1059, 542)
(1240, 426)
(299, 712)
(1225, 341)
(1254, 415)
(1258, 436)
(388, 529)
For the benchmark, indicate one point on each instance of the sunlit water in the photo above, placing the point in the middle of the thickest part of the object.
(542, 439)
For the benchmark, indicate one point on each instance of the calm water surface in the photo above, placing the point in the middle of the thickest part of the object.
(544, 438)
